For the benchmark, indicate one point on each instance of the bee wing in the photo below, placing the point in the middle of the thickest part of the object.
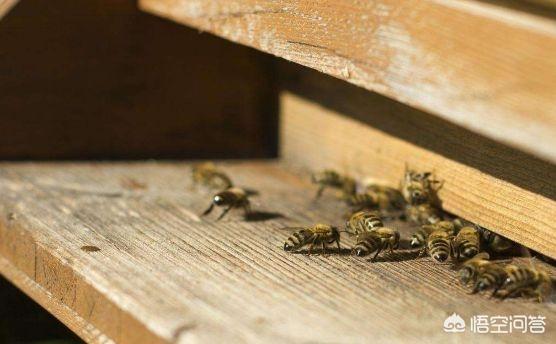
(478, 256)
(349, 233)
(525, 252)
(292, 228)
(482, 255)
(249, 192)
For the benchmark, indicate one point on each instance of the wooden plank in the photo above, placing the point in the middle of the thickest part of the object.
(163, 273)
(6, 6)
(315, 137)
(43, 297)
(98, 100)
(486, 67)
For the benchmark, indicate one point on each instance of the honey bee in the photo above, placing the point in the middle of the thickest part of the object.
(363, 221)
(420, 188)
(230, 198)
(419, 238)
(375, 241)
(495, 242)
(423, 214)
(208, 175)
(492, 276)
(482, 274)
(389, 198)
(332, 179)
(319, 234)
(467, 242)
(526, 281)
(439, 245)
(470, 269)
(375, 199)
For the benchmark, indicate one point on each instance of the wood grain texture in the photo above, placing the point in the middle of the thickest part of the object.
(163, 273)
(83, 80)
(314, 137)
(486, 67)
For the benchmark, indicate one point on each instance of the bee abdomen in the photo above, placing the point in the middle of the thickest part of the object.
(439, 249)
(521, 275)
(297, 240)
(367, 246)
(468, 249)
(489, 279)
(418, 238)
(362, 199)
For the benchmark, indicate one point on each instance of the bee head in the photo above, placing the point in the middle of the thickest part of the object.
(359, 252)
(288, 246)
(481, 285)
(424, 175)
(418, 196)
(465, 274)
(415, 243)
(440, 256)
(218, 200)
(335, 233)
(470, 252)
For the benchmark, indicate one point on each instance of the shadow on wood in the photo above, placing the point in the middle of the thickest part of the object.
(422, 129)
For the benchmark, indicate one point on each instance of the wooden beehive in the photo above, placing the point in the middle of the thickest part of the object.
(464, 88)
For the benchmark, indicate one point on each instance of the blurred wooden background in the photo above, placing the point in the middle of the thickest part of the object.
(102, 80)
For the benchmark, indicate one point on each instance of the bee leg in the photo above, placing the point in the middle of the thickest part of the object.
(209, 209)
(247, 209)
(538, 295)
(319, 192)
(323, 248)
(338, 243)
(495, 291)
(376, 254)
(423, 251)
(530, 292)
(391, 248)
(509, 293)
(224, 212)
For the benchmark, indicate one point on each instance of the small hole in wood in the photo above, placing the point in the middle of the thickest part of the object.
(88, 248)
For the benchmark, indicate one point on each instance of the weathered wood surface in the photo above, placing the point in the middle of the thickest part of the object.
(495, 187)
(489, 68)
(164, 275)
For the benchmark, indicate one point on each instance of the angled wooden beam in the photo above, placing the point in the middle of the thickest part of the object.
(6, 6)
(489, 68)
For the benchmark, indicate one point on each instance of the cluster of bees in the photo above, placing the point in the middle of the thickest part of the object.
(468, 245)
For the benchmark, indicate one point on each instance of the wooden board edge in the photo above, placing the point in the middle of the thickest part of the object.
(21, 249)
(462, 193)
(85, 330)
(443, 90)
(6, 6)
